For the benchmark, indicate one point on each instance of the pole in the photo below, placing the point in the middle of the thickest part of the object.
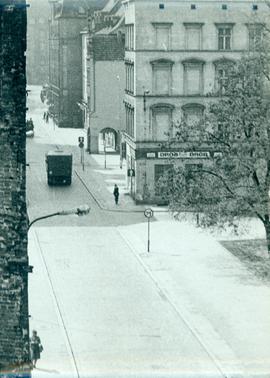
(105, 165)
(148, 241)
(82, 158)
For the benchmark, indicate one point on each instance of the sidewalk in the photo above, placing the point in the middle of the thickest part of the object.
(101, 180)
(226, 306)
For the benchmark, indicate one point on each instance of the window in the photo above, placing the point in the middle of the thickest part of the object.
(193, 77)
(129, 77)
(160, 171)
(193, 36)
(162, 76)
(222, 68)
(162, 122)
(129, 119)
(193, 113)
(224, 36)
(129, 40)
(162, 36)
(255, 32)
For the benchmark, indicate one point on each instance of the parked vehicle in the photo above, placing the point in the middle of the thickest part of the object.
(59, 167)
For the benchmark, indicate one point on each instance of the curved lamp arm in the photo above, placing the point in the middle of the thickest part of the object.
(81, 210)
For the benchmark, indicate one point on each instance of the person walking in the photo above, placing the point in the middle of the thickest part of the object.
(116, 194)
(36, 347)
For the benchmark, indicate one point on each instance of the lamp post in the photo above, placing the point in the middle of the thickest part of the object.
(81, 210)
(144, 99)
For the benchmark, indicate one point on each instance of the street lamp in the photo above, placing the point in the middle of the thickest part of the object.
(144, 99)
(81, 210)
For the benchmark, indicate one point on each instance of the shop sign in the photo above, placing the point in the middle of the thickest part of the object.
(150, 155)
(184, 155)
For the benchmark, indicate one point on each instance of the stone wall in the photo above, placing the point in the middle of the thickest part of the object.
(14, 332)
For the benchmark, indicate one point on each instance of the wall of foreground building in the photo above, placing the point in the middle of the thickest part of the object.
(14, 347)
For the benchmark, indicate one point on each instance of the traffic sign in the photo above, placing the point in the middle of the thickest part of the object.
(81, 139)
(148, 213)
(81, 144)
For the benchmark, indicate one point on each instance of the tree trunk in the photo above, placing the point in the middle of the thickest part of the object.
(267, 232)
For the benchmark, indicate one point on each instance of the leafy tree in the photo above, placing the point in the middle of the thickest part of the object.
(234, 181)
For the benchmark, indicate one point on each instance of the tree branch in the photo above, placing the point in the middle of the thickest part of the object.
(220, 178)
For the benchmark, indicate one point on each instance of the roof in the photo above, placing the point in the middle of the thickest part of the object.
(77, 8)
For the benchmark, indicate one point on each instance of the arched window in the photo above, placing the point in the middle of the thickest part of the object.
(162, 121)
(222, 68)
(193, 77)
(193, 113)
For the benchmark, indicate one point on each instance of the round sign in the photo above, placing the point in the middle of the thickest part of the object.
(148, 213)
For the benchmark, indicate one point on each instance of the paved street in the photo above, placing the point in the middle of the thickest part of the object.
(105, 307)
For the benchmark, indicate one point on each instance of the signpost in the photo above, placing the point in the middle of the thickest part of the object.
(81, 145)
(148, 213)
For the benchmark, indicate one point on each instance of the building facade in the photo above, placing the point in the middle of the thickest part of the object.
(67, 19)
(170, 74)
(14, 268)
(37, 67)
(103, 73)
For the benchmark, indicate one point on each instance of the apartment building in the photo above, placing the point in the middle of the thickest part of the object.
(37, 67)
(103, 78)
(176, 53)
(67, 19)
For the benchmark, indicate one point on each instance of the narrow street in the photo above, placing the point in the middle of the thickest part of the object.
(104, 307)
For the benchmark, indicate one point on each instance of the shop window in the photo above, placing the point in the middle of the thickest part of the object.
(160, 171)
(193, 77)
(162, 36)
(162, 76)
(224, 36)
(193, 36)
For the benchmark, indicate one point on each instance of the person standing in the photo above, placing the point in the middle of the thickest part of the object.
(116, 194)
(36, 347)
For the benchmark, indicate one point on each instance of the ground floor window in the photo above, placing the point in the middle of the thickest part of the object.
(160, 172)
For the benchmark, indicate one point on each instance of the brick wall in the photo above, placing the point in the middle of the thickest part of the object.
(13, 219)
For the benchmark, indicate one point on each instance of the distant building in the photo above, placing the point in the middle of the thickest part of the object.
(104, 78)
(186, 55)
(14, 268)
(37, 67)
(67, 19)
